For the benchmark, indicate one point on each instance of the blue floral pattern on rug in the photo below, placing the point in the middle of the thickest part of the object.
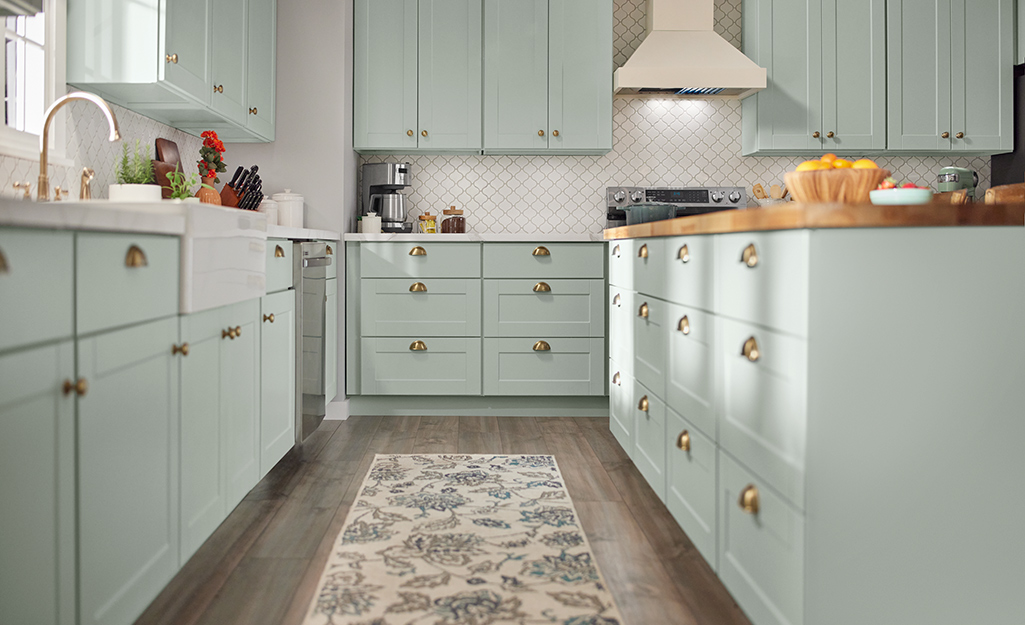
(462, 540)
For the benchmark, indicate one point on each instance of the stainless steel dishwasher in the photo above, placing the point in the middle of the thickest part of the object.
(310, 273)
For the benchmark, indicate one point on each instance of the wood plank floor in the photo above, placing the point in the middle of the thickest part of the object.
(263, 563)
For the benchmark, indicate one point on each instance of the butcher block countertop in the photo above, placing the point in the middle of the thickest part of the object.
(799, 216)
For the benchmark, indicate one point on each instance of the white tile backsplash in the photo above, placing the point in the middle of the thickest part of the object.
(655, 143)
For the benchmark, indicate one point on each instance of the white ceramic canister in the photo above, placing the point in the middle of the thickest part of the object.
(290, 208)
(270, 208)
(371, 224)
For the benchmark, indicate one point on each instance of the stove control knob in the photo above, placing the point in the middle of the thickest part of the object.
(619, 196)
(637, 196)
(717, 197)
(734, 197)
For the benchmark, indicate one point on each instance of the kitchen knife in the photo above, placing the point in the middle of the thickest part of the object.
(241, 183)
(234, 179)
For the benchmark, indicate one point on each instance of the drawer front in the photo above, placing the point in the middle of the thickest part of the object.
(621, 263)
(649, 342)
(571, 366)
(526, 260)
(334, 250)
(690, 271)
(691, 483)
(444, 367)
(690, 367)
(404, 260)
(394, 307)
(621, 324)
(773, 292)
(568, 308)
(37, 271)
(124, 279)
(621, 408)
(639, 265)
(764, 409)
(650, 438)
(761, 556)
(279, 265)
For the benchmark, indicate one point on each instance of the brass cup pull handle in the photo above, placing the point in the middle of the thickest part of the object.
(616, 251)
(268, 318)
(643, 311)
(816, 135)
(750, 256)
(945, 135)
(418, 251)
(617, 299)
(540, 251)
(3, 263)
(683, 441)
(830, 134)
(418, 287)
(80, 387)
(542, 346)
(135, 257)
(330, 252)
(423, 133)
(171, 58)
(643, 404)
(418, 346)
(643, 252)
(749, 501)
(279, 252)
(542, 287)
(751, 350)
(685, 325)
(617, 379)
(685, 254)
(555, 133)
(960, 135)
(409, 133)
(183, 349)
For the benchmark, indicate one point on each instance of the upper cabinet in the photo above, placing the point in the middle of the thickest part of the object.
(880, 76)
(212, 67)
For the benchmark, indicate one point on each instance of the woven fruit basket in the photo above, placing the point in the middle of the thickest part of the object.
(846, 186)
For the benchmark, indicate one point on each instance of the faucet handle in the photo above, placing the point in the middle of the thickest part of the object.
(86, 192)
(27, 187)
(59, 193)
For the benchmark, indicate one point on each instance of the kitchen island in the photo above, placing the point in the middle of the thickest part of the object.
(829, 401)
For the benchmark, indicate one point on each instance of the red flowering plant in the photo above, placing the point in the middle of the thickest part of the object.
(211, 164)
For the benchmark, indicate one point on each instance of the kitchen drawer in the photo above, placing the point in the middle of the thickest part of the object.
(649, 342)
(690, 271)
(691, 483)
(690, 365)
(524, 260)
(37, 271)
(649, 453)
(124, 279)
(394, 307)
(404, 260)
(621, 408)
(446, 366)
(279, 265)
(761, 555)
(568, 308)
(621, 325)
(334, 250)
(764, 408)
(639, 265)
(521, 366)
(773, 292)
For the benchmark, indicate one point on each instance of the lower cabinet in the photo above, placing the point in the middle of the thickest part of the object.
(690, 483)
(277, 377)
(650, 438)
(127, 470)
(37, 486)
(412, 366)
(558, 366)
(621, 409)
(240, 401)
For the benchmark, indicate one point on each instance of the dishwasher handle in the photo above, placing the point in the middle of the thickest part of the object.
(317, 262)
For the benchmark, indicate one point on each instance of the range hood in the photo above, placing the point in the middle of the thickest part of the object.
(682, 57)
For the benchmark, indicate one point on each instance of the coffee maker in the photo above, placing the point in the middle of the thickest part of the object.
(379, 192)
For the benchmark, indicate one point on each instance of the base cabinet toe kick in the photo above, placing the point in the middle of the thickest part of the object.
(818, 423)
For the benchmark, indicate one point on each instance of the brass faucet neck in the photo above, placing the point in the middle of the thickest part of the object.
(43, 190)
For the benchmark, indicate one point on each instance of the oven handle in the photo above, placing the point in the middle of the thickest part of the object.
(316, 262)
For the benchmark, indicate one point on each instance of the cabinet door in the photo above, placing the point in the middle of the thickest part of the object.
(277, 378)
(228, 57)
(203, 504)
(649, 453)
(918, 75)
(261, 67)
(187, 38)
(516, 75)
(331, 341)
(649, 342)
(240, 401)
(854, 75)
(127, 470)
(384, 75)
(690, 483)
(450, 74)
(37, 487)
(580, 75)
(982, 75)
(621, 409)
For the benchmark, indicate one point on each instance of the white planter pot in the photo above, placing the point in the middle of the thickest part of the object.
(134, 193)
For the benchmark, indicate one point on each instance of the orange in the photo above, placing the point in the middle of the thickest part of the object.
(865, 163)
(829, 158)
(841, 163)
(812, 166)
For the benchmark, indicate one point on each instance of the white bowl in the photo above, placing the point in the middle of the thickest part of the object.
(901, 197)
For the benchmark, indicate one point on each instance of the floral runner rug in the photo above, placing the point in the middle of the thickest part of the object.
(462, 540)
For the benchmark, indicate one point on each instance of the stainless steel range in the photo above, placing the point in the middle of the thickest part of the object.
(686, 200)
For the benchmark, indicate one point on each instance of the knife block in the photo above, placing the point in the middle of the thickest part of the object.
(229, 197)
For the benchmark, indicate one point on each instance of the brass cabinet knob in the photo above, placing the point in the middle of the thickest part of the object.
(279, 252)
(643, 310)
(751, 351)
(685, 325)
(80, 387)
(617, 379)
(418, 251)
(555, 133)
(3, 263)
(540, 133)
(418, 346)
(135, 257)
(750, 256)
(617, 299)
(183, 349)
(643, 252)
(409, 133)
(540, 250)
(643, 404)
(230, 333)
(830, 134)
(171, 58)
(683, 441)
(616, 251)
(815, 135)
(238, 331)
(960, 135)
(542, 346)
(685, 254)
(219, 89)
(268, 318)
(748, 501)
(254, 111)
(423, 133)
(418, 287)
(542, 287)
(945, 135)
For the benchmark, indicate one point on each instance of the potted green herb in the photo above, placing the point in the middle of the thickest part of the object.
(135, 177)
(181, 186)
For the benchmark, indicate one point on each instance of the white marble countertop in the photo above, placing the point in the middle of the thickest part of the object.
(477, 237)
(155, 218)
(284, 232)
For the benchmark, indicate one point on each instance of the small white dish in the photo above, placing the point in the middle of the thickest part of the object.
(901, 197)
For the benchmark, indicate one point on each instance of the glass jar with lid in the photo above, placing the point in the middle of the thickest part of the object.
(454, 222)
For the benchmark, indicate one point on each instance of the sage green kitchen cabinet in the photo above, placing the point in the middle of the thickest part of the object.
(547, 77)
(621, 409)
(691, 473)
(277, 378)
(127, 470)
(417, 76)
(563, 308)
(401, 307)
(331, 341)
(549, 366)
(240, 401)
(413, 366)
(36, 290)
(228, 58)
(261, 67)
(37, 486)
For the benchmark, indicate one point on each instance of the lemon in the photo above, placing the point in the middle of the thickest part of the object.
(829, 158)
(841, 163)
(865, 163)
(812, 166)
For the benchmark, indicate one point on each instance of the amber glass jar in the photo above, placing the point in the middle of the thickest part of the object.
(454, 222)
